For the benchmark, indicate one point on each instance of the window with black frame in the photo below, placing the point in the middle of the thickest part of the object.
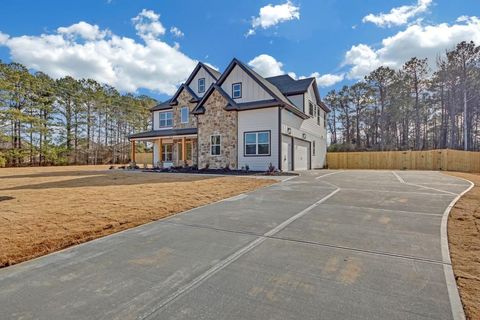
(257, 143)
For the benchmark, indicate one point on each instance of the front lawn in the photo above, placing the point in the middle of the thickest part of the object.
(43, 210)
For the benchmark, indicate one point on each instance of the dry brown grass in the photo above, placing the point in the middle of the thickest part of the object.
(47, 209)
(464, 241)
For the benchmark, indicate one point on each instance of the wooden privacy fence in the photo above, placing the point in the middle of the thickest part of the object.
(445, 159)
(143, 158)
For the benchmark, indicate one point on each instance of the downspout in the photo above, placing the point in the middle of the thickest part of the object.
(280, 138)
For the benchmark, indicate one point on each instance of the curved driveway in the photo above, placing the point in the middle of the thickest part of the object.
(325, 245)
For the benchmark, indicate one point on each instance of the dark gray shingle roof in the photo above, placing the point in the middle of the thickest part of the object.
(163, 133)
(162, 106)
(287, 85)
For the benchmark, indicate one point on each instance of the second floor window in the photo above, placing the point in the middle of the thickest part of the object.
(184, 114)
(236, 90)
(166, 119)
(311, 111)
(318, 116)
(201, 85)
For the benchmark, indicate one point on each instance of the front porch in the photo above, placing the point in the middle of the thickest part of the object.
(168, 150)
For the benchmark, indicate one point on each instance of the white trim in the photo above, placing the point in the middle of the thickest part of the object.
(211, 145)
(159, 120)
(181, 115)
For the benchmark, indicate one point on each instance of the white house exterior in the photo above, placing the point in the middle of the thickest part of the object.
(237, 119)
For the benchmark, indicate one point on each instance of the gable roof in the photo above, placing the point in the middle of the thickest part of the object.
(200, 109)
(214, 73)
(162, 106)
(173, 100)
(266, 85)
(289, 86)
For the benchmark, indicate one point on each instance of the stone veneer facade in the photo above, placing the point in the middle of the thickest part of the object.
(184, 101)
(216, 120)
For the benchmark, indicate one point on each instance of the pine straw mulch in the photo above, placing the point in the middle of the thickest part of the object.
(464, 242)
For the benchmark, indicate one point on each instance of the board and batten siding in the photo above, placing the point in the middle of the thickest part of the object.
(313, 132)
(258, 120)
(251, 90)
(298, 100)
(202, 73)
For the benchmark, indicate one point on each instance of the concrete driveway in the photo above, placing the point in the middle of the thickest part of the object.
(325, 245)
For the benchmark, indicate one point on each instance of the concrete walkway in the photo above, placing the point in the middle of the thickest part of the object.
(326, 245)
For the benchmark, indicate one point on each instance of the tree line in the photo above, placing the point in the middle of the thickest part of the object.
(65, 121)
(413, 108)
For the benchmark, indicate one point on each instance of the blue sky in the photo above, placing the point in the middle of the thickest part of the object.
(131, 44)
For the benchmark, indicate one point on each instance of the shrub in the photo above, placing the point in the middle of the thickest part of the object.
(3, 161)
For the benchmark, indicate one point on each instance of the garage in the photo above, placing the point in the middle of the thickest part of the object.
(287, 163)
(301, 151)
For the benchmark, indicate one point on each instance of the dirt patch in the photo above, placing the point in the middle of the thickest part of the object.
(464, 241)
(48, 209)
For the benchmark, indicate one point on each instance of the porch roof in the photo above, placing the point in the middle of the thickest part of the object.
(163, 133)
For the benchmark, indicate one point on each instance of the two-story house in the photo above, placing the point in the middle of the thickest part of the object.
(238, 118)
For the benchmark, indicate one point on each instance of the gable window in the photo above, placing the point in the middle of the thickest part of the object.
(215, 145)
(257, 143)
(166, 119)
(319, 113)
(201, 85)
(184, 112)
(324, 119)
(237, 90)
(313, 147)
(310, 108)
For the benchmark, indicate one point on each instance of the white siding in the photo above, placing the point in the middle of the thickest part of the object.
(258, 120)
(312, 131)
(298, 100)
(202, 73)
(310, 96)
(251, 90)
(156, 119)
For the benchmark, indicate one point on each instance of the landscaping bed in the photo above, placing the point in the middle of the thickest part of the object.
(232, 172)
(464, 243)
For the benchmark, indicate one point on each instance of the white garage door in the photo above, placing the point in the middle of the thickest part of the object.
(301, 151)
(286, 153)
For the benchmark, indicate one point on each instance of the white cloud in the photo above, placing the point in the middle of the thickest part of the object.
(176, 32)
(266, 66)
(108, 58)
(271, 15)
(84, 30)
(327, 80)
(415, 41)
(398, 16)
(3, 38)
(148, 25)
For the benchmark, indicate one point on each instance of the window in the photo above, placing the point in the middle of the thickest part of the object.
(215, 145)
(236, 90)
(167, 152)
(184, 114)
(313, 147)
(201, 85)
(257, 143)
(324, 119)
(166, 119)
(319, 113)
(310, 108)
(188, 151)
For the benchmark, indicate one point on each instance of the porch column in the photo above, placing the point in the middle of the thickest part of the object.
(133, 151)
(183, 149)
(160, 150)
